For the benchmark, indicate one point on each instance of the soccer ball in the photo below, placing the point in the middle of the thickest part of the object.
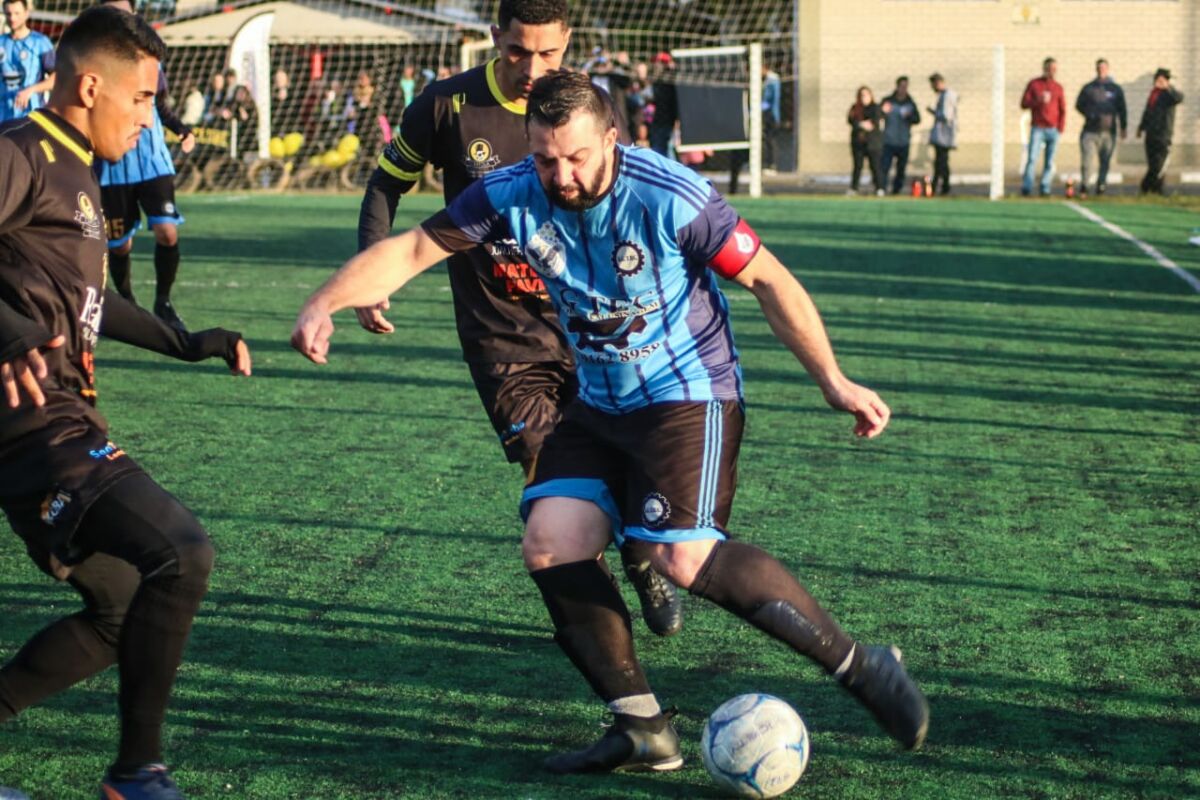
(755, 745)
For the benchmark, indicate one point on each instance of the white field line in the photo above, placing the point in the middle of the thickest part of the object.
(1187, 277)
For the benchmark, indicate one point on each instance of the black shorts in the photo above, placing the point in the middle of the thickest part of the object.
(49, 479)
(663, 473)
(524, 402)
(121, 207)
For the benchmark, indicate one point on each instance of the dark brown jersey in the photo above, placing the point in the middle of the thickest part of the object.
(53, 264)
(465, 126)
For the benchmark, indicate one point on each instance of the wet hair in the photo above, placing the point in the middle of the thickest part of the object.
(531, 12)
(557, 95)
(111, 31)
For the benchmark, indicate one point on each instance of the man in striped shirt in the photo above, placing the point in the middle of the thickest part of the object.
(630, 246)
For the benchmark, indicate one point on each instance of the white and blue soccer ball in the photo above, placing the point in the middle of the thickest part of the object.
(755, 745)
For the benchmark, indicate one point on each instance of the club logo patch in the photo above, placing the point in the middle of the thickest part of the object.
(169, 208)
(745, 242)
(89, 221)
(628, 259)
(545, 252)
(655, 510)
(480, 158)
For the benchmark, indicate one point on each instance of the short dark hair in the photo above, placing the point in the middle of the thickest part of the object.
(25, 3)
(935, 77)
(531, 12)
(1100, 61)
(1162, 72)
(109, 30)
(1050, 60)
(557, 95)
(901, 79)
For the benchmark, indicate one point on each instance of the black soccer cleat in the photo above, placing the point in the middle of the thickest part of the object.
(661, 607)
(881, 684)
(631, 744)
(167, 313)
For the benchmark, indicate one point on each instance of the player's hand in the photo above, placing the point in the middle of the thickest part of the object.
(26, 373)
(870, 412)
(241, 362)
(22, 99)
(311, 335)
(371, 318)
(188, 143)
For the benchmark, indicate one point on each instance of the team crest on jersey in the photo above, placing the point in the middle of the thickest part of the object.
(89, 221)
(481, 157)
(655, 510)
(628, 258)
(545, 252)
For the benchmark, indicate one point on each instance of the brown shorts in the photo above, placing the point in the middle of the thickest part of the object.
(663, 473)
(524, 402)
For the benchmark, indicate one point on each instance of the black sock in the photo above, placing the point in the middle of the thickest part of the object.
(750, 583)
(593, 627)
(166, 267)
(119, 271)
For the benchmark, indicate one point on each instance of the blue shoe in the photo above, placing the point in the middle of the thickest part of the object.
(151, 782)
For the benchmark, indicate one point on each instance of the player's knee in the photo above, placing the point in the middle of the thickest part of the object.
(681, 562)
(563, 530)
(537, 548)
(196, 559)
(166, 235)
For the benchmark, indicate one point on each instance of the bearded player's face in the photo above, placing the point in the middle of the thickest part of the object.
(527, 52)
(573, 160)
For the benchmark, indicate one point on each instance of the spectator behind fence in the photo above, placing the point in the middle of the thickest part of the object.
(1102, 103)
(666, 104)
(285, 104)
(360, 103)
(944, 136)
(1158, 124)
(900, 112)
(193, 106)
(332, 112)
(772, 114)
(1045, 99)
(214, 98)
(866, 139)
(244, 110)
(408, 84)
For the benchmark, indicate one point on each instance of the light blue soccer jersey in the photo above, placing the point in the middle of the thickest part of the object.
(23, 62)
(149, 160)
(630, 277)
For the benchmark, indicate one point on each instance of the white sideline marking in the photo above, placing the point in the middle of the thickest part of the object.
(1187, 277)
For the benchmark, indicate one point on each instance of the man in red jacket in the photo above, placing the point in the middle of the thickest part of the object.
(1045, 98)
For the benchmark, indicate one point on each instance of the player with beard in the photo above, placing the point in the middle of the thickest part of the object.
(471, 125)
(630, 245)
(87, 513)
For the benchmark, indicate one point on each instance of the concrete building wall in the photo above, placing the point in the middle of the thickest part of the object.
(848, 43)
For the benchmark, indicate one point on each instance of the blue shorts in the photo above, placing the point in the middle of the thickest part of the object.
(663, 473)
(124, 204)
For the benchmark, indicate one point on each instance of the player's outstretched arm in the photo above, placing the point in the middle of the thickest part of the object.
(365, 280)
(375, 218)
(794, 319)
(131, 324)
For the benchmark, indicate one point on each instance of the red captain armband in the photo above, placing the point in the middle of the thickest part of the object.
(739, 251)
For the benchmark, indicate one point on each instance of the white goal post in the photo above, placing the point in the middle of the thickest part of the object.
(705, 66)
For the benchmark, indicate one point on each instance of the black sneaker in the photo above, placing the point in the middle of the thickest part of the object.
(661, 607)
(167, 313)
(631, 744)
(882, 685)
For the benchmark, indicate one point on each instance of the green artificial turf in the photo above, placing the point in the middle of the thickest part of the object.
(1026, 530)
